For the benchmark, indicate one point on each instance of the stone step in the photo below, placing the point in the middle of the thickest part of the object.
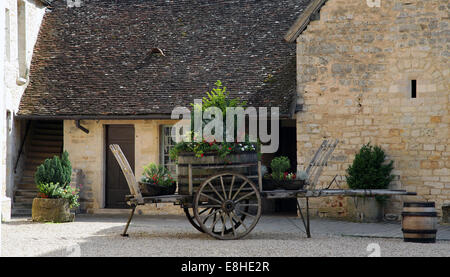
(42, 155)
(26, 192)
(27, 186)
(47, 125)
(32, 165)
(37, 142)
(34, 161)
(26, 205)
(28, 173)
(21, 212)
(24, 199)
(27, 179)
(48, 137)
(44, 149)
(48, 132)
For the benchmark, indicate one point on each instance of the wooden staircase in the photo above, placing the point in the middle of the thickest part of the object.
(46, 141)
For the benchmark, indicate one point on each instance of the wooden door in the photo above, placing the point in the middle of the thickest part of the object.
(116, 185)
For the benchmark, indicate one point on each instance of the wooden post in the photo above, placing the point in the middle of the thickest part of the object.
(190, 179)
(124, 234)
(308, 230)
(259, 176)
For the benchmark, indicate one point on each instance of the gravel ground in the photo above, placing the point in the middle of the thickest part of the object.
(174, 236)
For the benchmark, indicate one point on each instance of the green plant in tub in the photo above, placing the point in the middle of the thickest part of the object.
(55, 190)
(55, 170)
(157, 175)
(370, 170)
(279, 166)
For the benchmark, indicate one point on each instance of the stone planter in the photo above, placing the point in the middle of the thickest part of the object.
(51, 210)
(365, 209)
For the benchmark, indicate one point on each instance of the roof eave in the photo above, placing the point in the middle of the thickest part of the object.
(310, 14)
(112, 117)
(94, 117)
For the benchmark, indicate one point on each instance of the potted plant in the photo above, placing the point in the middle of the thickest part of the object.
(207, 155)
(369, 170)
(156, 180)
(55, 195)
(280, 178)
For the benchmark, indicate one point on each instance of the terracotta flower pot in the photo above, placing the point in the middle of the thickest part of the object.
(51, 210)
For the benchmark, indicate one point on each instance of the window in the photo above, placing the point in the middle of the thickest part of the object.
(21, 38)
(413, 88)
(7, 36)
(8, 121)
(166, 143)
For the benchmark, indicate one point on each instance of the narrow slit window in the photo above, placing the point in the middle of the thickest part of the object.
(413, 88)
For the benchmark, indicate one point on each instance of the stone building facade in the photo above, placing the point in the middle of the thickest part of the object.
(20, 22)
(87, 153)
(99, 66)
(2, 111)
(378, 72)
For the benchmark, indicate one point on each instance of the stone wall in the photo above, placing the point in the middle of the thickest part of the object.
(354, 66)
(87, 152)
(2, 112)
(15, 81)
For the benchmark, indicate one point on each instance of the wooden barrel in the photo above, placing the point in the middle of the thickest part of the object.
(210, 164)
(419, 223)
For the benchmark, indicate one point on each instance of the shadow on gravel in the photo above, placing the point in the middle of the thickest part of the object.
(157, 231)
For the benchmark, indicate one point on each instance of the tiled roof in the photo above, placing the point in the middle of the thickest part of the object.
(94, 60)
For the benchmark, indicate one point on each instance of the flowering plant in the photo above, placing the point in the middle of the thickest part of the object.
(157, 175)
(55, 191)
(289, 176)
(219, 98)
(221, 148)
(279, 166)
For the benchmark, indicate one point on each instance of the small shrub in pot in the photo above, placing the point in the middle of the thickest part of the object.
(157, 180)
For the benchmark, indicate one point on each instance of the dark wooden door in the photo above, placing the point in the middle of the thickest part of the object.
(116, 185)
(288, 148)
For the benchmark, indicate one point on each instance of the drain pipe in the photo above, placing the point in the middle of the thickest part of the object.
(78, 124)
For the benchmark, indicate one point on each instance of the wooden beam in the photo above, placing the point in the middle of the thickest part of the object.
(274, 194)
(302, 22)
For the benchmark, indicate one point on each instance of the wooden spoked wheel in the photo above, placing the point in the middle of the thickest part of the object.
(227, 206)
(190, 216)
(208, 210)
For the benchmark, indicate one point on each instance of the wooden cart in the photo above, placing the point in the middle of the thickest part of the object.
(227, 204)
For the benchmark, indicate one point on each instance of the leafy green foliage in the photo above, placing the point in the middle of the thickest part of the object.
(55, 170)
(219, 98)
(55, 191)
(221, 148)
(369, 170)
(279, 165)
(157, 174)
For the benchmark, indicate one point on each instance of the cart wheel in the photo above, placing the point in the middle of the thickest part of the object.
(190, 216)
(234, 205)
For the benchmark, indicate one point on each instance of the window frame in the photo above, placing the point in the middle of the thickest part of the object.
(162, 148)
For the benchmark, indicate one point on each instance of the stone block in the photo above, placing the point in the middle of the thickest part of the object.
(5, 203)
